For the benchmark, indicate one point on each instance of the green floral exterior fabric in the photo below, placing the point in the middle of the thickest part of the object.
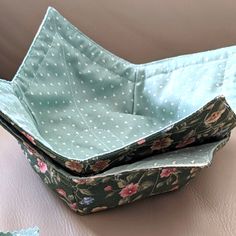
(90, 110)
(122, 184)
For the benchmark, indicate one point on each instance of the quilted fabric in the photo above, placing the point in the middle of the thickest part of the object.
(101, 131)
(123, 184)
(23, 232)
(82, 104)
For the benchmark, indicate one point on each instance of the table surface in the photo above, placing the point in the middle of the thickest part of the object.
(206, 206)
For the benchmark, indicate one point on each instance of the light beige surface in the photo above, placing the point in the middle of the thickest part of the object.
(138, 31)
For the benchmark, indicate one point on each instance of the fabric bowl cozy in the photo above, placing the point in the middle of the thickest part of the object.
(90, 110)
(101, 131)
(123, 184)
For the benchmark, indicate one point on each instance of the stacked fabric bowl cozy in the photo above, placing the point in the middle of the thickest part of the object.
(101, 131)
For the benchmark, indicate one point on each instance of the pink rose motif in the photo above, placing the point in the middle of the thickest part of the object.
(166, 172)
(129, 190)
(30, 138)
(161, 143)
(73, 206)
(214, 117)
(142, 141)
(108, 188)
(100, 165)
(61, 192)
(42, 166)
(74, 165)
(185, 142)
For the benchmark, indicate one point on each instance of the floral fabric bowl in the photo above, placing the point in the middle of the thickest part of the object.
(90, 110)
(101, 131)
(123, 184)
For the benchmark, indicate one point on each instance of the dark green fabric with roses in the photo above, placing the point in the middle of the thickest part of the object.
(119, 185)
(91, 110)
(125, 184)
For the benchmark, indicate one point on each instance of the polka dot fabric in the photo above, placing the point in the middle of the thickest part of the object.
(80, 103)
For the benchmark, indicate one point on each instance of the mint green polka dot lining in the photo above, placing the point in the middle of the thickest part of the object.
(81, 101)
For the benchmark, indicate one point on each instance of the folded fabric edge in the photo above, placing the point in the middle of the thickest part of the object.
(42, 142)
(21, 117)
(210, 155)
(34, 137)
(127, 167)
(22, 232)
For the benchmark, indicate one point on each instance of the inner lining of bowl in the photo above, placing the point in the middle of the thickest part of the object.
(80, 100)
(196, 156)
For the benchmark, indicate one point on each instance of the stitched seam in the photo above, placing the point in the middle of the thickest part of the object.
(225, 78)
(224, 70)
(74, 99)
(21, 95)
(193, 64)
(97, 46)
(108, 53)
(134, 91)
(72, 92)
(97, 62)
